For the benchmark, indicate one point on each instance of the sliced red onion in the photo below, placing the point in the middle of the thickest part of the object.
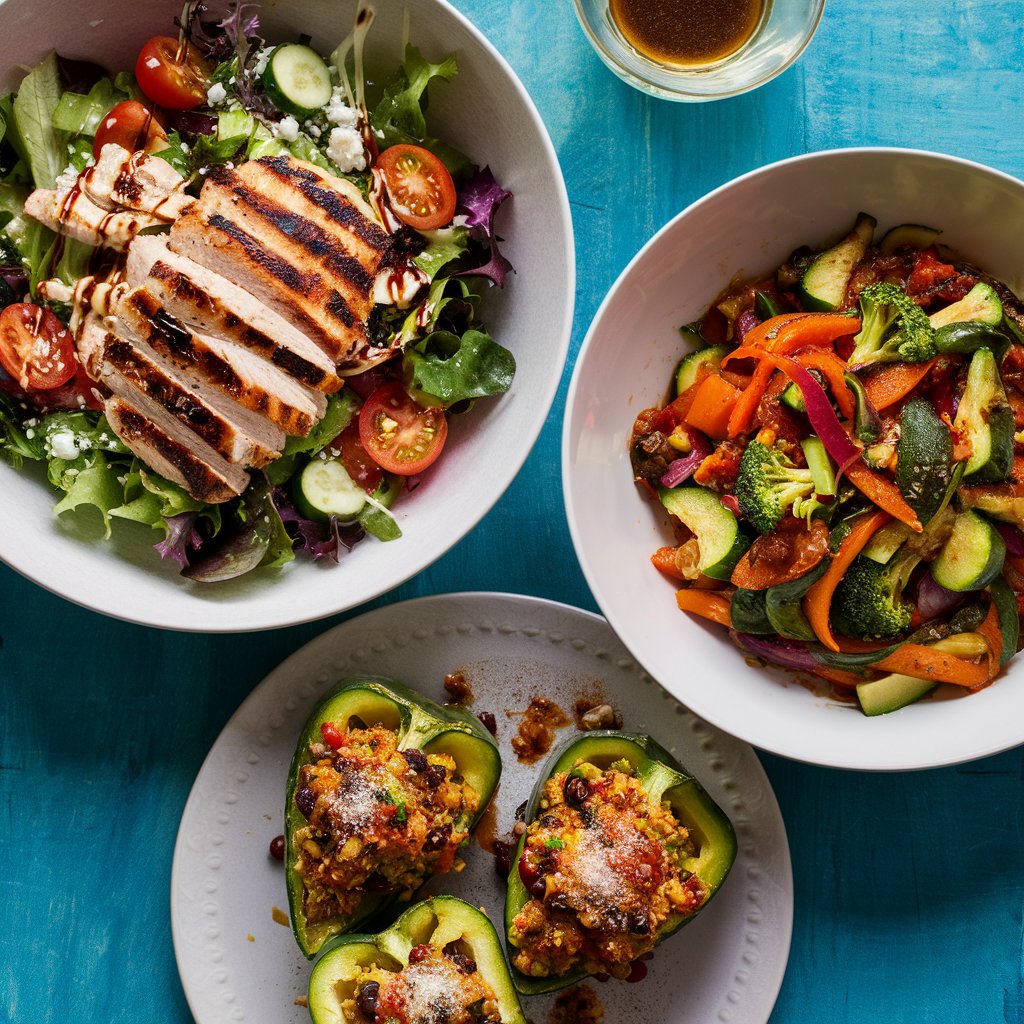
(1013, 537)
(787, 653)
(745, 322)
(682, 469)
(934, 600)
(732, 503)
(822, 416)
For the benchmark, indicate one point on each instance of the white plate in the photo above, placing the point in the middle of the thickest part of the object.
(743, 229)
(727, 966)
(487, 113)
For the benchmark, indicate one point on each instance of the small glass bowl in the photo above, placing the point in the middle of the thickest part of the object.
(785, 29)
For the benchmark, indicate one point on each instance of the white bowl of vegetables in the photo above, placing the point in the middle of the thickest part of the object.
(451, 361)
(827, 352)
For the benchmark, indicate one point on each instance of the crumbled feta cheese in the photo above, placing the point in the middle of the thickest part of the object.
(216, 94)
(338, 111)
(62, 445)
(66, 179)
(312, 129)
(261, 60)
(30, 433)
(345, 148)
(287, 128)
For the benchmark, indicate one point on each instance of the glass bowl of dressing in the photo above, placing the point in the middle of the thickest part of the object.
(695, 50)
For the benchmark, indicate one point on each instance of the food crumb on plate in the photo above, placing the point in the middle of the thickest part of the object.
(280, 916)
(537, 729)
(577, 1005)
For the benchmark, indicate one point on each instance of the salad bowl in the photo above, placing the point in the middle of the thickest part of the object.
(486, 113)
(747, 228)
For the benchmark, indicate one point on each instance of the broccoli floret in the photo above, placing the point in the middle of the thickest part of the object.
(892, 327)
(769, 486)
(869, 601)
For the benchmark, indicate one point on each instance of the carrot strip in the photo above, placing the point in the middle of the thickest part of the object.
(746, 405)
(818, 600)
(883, 492)
(993, 635)
(712, 406)
(923, 662)
(664, 560)
(847, 680)
(706, 603)
(833, 368)
(888, 385)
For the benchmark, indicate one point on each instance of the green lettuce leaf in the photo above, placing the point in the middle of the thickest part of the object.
(449, 369)
(81, 115)
(443, 246)
(43, 148)
(340, 410)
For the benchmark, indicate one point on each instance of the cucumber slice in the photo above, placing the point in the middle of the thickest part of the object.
(325, 489)
(717, 530)
(890, 693)
(297, 80)
(987, 419)
(823, 287)
(981, 304)
(972, 557)
(907, 236)
(690, 364)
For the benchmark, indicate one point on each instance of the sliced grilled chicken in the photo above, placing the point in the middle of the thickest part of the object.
(250, 380)
(71, 212)
(215, 305)
(162, 444)
(90, 339)
(135, 181)
(236, 433)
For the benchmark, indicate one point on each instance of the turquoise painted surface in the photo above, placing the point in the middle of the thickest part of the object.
(909, 887)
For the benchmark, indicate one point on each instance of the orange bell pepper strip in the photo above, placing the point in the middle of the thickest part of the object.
(883, 492)
(888, 385)
(742, 416)
(818, 599)
(924, 662)
(712, 407)
(832, 368)
(664, 560)
(791, 331)
(993, 635)
(847, 680)
(708, 604)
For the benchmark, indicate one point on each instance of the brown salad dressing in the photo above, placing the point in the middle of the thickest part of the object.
(686, 33)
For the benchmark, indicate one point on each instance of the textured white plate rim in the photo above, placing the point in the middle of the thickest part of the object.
(974, 747)
(19, 556)
(534, 611)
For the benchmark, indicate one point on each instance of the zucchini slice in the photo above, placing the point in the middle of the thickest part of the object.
(980, 304)
(907, 236)
(987, 419)
(690, 364)
(823, 286)
(717, 530)
(890, 693)
(972, 557)
(748, 614)
(297, 80)
(924, 459)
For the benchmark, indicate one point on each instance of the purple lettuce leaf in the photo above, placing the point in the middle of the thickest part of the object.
(183, 538)
(321, 540)
(478, 201)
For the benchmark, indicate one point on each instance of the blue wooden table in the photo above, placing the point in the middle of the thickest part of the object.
(909, 887)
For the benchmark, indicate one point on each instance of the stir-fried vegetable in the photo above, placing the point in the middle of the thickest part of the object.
(860, 454)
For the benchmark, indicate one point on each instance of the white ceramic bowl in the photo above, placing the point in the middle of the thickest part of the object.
(742, 229)
(486, 112)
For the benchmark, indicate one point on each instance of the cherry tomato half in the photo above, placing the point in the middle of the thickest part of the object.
(36, 349)
(354, 457)
(400, 435)
(419, 187)
(168, 82)
(131, 125)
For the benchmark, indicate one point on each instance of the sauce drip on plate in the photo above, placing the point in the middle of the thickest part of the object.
(686, 33)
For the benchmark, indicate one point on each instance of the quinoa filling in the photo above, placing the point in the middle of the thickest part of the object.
(438, 986)
(602, 866)
(378, 819)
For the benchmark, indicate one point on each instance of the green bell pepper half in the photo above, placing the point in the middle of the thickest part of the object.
(420, 724)
(437, 921)
(665, 779)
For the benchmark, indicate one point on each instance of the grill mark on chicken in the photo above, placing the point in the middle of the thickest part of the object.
(186, 460)
(317, 242)
(190, 407)
(333, 203)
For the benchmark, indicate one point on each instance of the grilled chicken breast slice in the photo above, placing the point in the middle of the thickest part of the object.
(171, 450)
(204, 299)
(248, 379)
(71, 212)
(236, 433)
(135, 181)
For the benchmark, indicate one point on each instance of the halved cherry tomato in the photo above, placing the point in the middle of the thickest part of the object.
(168, 81)
(36, 349)
(420, 189)
(401, 435)
(131, 125)
(354, 457)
